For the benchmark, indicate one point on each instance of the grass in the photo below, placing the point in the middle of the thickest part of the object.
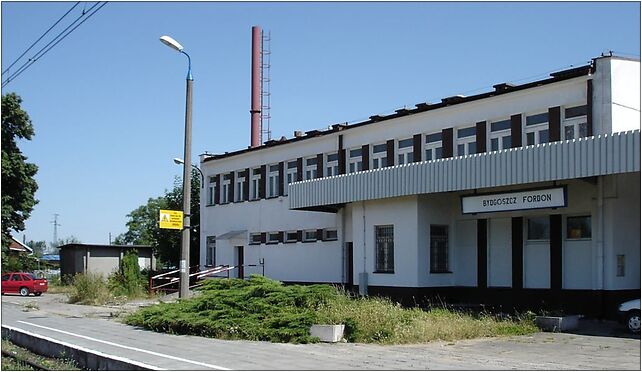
(266, 310)
(89, 289)
(53, 364)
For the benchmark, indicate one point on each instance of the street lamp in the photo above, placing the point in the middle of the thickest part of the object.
(180, 161)
(187, 175)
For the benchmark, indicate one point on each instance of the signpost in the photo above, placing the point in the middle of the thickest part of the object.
(513, 201)
(171, 219)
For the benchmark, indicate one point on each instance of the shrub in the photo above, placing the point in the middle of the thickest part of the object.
(128, 280)
(89, 289)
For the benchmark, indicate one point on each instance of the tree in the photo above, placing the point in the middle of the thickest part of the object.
(39, 247)
(143, 228)
(18, 184)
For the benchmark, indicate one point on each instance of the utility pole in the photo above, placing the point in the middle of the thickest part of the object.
(109, 238)
(55, 225)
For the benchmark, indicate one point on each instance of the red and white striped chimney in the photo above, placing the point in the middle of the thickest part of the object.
(255, 110)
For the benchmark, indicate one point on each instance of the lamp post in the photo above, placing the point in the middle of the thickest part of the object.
(187, 175)
(180, 161)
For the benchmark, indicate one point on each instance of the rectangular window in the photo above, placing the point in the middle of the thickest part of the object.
(240, 187)
(329, 234)
(578, 227)
(404, 151)
(254, 185)
(210, 253)
(500, 135)
(433, 146)
(438, 249)
(273, 181)
(311, 168)
(255, 238)
(332, 164)
(290, 173)
(210, 190)
(225, 192)
(273, 237)
(536, 129)
(310, 236)
(291, 236)
(575, 125)
(354, 163)
(384, 249)
(466, 141)
(379, 156)
(539, 228)
(620, 258)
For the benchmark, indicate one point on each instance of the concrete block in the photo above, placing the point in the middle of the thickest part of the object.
(558, 323)
(327, 333)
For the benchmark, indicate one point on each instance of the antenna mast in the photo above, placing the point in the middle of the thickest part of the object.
(265, 85)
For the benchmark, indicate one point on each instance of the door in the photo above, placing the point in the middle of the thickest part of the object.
(240, 262)
(349, 264)
(500, 264)
(14, 283)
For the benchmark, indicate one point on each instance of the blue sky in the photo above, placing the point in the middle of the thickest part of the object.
(107, 103)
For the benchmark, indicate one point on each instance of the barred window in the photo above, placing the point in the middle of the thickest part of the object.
(438, 249)
(385, 249)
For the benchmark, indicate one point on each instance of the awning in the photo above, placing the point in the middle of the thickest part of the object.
(233, 235)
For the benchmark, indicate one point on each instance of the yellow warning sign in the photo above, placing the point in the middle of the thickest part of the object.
(171, 219)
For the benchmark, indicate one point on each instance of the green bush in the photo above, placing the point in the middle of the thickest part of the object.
(128, 280)
(266, 310)
(89, 289)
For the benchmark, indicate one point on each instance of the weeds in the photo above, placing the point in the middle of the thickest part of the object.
(89, 289)
(264, 309)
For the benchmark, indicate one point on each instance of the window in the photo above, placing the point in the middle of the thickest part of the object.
(290, 172)
(273, 237)
(225, 190)
(438, 249)
(273, 181)
(240, 187)
(539, 228)
(210, 190)
(404, 151)
(329, 234)
(575, 125)
(311, 168)
(578, 227)
(16, 277)
(620, 259)
(255, 238)
(379, 156)
(332, 164)
(536, 129)
(310, 236)
(354, 163)
(500, 135)
(210, 252)
(384, 249)
(291, 236)
(5, 277)
(433, 146)
(466, 141)
(254, 183)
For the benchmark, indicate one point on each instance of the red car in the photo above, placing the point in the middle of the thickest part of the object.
(23, 283)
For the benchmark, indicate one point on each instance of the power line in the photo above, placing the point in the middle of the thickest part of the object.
(47, 47)
(40, 38)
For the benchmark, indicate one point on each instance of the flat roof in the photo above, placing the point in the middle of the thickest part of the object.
(114, 246)
(500, 89)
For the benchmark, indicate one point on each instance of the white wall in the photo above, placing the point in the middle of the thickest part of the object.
(402, 214)
(500, 267)
(537, 264)
(616, 95)
(465, 253)
(622, 205)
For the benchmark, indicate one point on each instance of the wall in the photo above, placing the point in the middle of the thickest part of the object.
(103, 261)
(625, 95)
(622, 201)
(402, 214)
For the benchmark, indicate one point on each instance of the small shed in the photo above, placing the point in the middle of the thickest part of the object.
(101, 259)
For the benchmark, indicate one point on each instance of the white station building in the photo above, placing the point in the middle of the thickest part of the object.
(527, 196)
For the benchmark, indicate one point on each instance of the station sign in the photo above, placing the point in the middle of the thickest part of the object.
(514, 201)
(171, 219)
